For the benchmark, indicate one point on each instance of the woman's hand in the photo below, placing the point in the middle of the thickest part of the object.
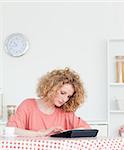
(50, 131)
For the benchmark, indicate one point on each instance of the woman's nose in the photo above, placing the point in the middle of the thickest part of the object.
(65, 98)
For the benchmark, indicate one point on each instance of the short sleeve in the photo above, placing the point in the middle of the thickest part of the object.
(20, 118)
(74, 121)
(80, 123)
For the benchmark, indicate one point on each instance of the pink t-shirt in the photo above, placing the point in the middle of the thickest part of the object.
(29, 116)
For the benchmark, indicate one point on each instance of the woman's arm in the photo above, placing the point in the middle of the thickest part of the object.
(21, 117)
(47, 132)
(79, 122)
(23, 132)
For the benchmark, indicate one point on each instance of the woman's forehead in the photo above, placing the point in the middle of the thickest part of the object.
(67, 87)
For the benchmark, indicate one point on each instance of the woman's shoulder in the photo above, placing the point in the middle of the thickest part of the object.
(28, 102)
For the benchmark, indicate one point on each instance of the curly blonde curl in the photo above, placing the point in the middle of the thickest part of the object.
(50, 83)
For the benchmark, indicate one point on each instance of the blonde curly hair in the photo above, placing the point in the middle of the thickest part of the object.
(50, 83)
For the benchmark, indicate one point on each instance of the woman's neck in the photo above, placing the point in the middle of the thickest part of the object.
(45, 107)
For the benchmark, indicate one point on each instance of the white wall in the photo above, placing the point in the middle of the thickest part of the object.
(60, 35)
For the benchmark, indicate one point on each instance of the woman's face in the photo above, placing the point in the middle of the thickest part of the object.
(63, 95)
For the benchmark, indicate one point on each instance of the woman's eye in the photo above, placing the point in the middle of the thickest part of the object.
(62, 92)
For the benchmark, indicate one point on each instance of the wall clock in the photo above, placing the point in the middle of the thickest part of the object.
(16, 44)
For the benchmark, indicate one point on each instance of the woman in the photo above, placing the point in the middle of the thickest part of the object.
(60, 93)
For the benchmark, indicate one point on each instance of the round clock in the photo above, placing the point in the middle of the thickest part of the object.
(16, 44)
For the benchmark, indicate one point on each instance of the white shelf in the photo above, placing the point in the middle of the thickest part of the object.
(98, 122)
(116, 84)
(115, 90)
(1, 91)
(117, 111)
(2, 122)
(116, 39)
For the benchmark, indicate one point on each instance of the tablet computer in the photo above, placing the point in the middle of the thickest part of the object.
(76, 133)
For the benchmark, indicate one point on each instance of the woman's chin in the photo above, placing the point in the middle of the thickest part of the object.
(58, 105)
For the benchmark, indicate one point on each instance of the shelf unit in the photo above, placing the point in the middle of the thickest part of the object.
(115, 91)
(2, 122)
(1, 91)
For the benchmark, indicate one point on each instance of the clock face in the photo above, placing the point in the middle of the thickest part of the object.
(16, 44)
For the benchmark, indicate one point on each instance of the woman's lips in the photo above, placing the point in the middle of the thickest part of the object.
(61, 102)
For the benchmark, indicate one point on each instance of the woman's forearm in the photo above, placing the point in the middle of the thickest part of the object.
(46, 132)
(23, 132)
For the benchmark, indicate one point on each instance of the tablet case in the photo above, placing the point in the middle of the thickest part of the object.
(77, 133)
